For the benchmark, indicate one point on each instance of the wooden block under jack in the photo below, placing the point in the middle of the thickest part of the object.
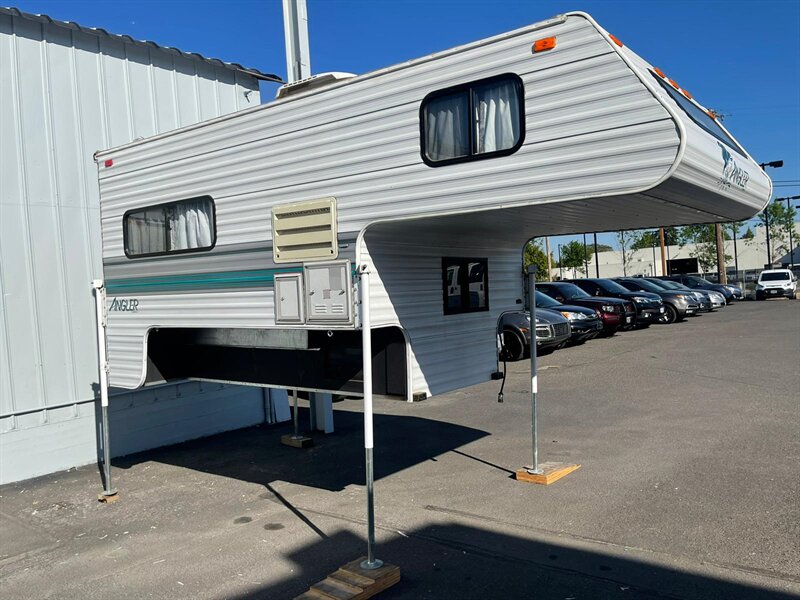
(550, 473)
(300, 441)
(352, 582)
(110, 499)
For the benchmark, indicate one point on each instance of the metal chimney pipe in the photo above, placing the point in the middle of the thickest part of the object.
(295, 28)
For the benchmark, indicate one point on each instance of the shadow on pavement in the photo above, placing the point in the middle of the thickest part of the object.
(337, 460)
(455, 561)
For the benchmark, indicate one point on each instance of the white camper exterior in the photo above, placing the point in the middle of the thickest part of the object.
(587, 137)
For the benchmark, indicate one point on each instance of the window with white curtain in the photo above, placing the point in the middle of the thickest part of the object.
(482, 119)
(184, 226)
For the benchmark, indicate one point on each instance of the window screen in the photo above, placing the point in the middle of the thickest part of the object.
(176, 227)
(477, 120)
(465, 285)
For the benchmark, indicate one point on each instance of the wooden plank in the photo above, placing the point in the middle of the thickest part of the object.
(550, 473)
(352, 582)
(297, 442)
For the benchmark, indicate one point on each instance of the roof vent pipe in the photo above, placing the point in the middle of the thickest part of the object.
(295, 26)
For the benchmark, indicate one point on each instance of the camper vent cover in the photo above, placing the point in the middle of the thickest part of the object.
(304, 231)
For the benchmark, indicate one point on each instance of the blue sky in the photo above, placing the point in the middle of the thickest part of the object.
(741, 58)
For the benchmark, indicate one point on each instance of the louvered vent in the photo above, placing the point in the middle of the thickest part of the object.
(304, 231)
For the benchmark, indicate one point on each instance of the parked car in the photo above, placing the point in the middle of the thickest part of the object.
(585, 323)
(677, 305)
(614, 312)
(775, 283)
(648, 306)
(731, 292)
(712, 298)
(552, 332)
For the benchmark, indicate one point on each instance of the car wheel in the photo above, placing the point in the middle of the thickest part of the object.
(513, 345)
(670, 314)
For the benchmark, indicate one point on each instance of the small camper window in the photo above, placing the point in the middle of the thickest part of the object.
(465, 284)
(172, 228)
(482, 119)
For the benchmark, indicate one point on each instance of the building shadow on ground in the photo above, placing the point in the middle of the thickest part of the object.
(454, 561)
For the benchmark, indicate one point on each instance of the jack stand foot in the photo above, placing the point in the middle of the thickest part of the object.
(108, 497)
(549, 472)
(352, 581)
(300, 441)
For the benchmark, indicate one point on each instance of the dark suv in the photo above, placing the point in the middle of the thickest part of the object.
(731, 292)
(677, 305)
(614, 312)
(648, 306)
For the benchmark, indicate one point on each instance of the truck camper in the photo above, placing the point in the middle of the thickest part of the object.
(238, 249)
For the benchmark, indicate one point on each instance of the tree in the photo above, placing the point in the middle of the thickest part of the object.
(625, 241)
(604, 248)
(650, 238)
(575, 256)
(748, 234)
(534, 255)
(704, 239)
(780, 218)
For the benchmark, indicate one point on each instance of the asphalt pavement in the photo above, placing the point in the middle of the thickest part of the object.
(689, 487)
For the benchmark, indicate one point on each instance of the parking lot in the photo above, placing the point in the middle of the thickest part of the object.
(687, 435)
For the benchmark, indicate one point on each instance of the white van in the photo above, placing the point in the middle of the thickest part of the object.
(776, 283)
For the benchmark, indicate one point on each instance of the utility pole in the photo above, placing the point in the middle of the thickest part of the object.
(766, 228)
(549, 258)
(790, 224)
(560, 267)
(585, 256)
(663, 255)
(596, 259)
(735, 228)
(723, 273)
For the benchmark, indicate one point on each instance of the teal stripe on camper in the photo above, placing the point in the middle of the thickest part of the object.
(196, 281)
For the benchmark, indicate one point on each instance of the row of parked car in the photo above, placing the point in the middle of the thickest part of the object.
(576, 310)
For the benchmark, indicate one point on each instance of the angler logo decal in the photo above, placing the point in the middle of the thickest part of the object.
(128, 305)
(732, 174)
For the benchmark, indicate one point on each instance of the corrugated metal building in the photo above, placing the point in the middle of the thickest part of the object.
(65, 92)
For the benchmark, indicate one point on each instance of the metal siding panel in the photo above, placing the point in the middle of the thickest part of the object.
(164, 90)
(141, 91)
(60, 100)
(116, 91)
(186, 91)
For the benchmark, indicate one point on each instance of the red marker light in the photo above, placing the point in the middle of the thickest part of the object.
(108, 162)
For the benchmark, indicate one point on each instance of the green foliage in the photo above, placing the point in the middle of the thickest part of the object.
(780, 217)
(603, 248)
(704, 238)
(650, 238)
(748, 234)
(535, 255)
(575, 256)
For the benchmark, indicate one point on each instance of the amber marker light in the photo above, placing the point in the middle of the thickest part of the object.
(547, 43)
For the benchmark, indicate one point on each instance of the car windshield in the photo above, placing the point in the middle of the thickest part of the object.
(571, 291)
(674, 285)
(774, 277)
(696, 280)
(647, 286)
(612, 286)
(659, 284)
(545, 301)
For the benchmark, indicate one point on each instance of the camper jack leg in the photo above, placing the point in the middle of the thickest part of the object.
(109, 494)
(548, 472)
(296, 440)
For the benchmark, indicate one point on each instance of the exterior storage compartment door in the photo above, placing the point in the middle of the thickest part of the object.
(329, 292)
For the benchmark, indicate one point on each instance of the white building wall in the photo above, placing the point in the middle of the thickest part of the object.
(64, 94)
(750, 254)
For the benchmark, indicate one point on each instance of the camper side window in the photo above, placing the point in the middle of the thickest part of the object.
(172, 228)
(482, 119)
(465, 284)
